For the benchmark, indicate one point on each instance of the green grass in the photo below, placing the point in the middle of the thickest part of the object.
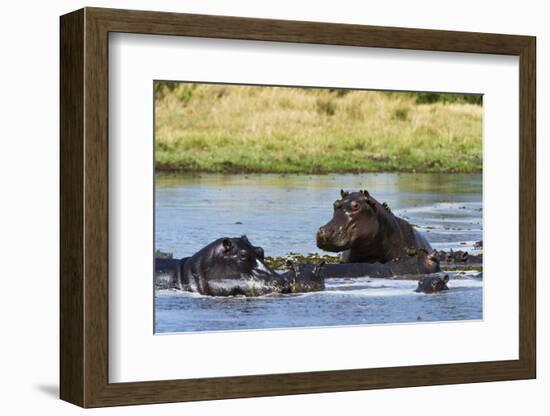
(222, 128)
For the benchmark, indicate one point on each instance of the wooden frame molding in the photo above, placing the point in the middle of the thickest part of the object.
(84, 207)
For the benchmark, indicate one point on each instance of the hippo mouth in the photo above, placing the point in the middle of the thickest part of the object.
(334, 247)
(333, 242)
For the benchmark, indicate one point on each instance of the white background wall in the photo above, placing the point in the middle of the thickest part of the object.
(29, 158)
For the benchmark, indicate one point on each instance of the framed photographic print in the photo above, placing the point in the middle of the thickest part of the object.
(291, 207)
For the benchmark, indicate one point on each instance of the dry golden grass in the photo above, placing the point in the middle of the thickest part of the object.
(218, 128)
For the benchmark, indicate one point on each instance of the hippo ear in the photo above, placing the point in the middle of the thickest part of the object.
(227, 244)
(366, 193)
(317, 268)
(343, 193)
(292, 266)
(446, 278)
(259, 252)
(371, 202)
(433, 256)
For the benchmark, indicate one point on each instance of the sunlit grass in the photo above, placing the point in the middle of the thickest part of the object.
(221, 128)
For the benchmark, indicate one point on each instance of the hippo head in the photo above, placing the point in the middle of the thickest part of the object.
(304, 277)
(429, 262)
(355, 218)
(432, 284)
(231, 266)
(237, 256)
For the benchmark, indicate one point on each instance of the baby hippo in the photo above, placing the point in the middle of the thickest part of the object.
(304, 277)
(432, 284)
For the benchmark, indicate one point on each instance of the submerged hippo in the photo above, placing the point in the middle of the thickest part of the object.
(459, 257)
(367, 231)
(432, 284)
(408, 267)
(233, 266)
(167, 272)
(304, 277)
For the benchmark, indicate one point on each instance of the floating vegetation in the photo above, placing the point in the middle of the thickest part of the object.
(163, 255)
(280, 263)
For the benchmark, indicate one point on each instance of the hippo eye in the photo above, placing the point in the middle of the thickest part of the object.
(227, 244)
(354, 205)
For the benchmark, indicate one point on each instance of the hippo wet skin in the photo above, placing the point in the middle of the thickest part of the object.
(407, 267)
(459, 257)
(365, 230)
(304, 277)
(233, 266)
(432, 284)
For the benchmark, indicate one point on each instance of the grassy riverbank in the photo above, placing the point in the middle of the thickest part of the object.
(220, 128)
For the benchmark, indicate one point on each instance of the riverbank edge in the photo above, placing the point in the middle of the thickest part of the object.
(170, 169)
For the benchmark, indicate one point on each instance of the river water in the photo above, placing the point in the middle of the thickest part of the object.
(282, 213)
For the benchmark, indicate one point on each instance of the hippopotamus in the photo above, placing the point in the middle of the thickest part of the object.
(365, 230)
(408, 267)
(229, 266)
(432, 284)
(304, 277)
(459, 257)
(167, 272)
(233, 266)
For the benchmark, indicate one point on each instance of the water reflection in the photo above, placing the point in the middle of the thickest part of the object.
(283, 212)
